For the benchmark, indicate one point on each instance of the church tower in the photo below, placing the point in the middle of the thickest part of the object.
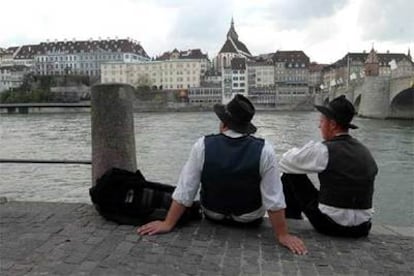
(372, 64)
(232, 48)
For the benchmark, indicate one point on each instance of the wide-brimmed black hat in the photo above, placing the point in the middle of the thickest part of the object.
(237, 114)
(340, 110)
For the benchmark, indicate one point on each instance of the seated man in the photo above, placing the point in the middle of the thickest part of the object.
(238, 175)
(346, 170)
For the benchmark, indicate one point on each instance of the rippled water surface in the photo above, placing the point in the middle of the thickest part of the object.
(163, 142)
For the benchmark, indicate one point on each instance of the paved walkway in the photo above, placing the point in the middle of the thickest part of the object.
(72, 239)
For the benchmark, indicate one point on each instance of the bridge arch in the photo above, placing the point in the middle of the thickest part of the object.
(357, 103)
(402, 104)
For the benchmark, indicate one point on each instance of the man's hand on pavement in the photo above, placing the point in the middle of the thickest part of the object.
(154, 227)
(293, 243)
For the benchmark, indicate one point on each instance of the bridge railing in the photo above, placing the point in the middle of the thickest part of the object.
(113, 136)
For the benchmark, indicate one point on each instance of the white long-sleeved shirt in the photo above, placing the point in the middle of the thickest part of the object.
(313, 158)
(270, 186)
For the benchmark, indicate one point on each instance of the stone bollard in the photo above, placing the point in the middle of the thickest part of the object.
(113, 139)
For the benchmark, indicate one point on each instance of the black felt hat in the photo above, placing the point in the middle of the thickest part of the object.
(237, 114)
(340, 110)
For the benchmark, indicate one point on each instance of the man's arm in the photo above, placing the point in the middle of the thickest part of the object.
(274, 201)
(311, 158)
(184, 194)
(158, 227)
(279, 225)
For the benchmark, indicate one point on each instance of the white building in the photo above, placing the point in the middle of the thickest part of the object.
(261, 73)
(235, 79)
(6, 56)
(11, 77)
(172, 71)
(85, 57)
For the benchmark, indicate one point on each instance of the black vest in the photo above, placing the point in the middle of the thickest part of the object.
(348, 180)
(230, 180)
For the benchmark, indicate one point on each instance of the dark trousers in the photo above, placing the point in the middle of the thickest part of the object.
(302, 196)
(159, 196)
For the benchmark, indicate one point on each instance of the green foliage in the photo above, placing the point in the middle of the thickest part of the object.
(19, 96)
(37, 88)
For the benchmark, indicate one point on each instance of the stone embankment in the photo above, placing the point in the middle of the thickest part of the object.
(72, 239)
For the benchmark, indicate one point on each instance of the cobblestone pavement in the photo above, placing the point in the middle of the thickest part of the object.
(72, 239)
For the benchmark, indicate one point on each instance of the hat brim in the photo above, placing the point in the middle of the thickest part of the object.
(220, 111)
(328, 113)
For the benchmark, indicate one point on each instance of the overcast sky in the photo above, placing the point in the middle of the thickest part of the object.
(324, 29)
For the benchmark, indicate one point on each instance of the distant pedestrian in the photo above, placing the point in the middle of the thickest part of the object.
(343, 204)
(238, 175)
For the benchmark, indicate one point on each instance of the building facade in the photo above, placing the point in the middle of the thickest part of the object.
(11, 77)
(204, 96)
(354, 67)
(178, 71)
(234, 79)
(74, 57)
(85, 57)
(6, 56)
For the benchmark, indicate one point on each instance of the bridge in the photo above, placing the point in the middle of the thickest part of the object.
(381, 97)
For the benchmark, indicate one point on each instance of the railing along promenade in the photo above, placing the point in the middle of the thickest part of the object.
(113, 137)
(25, 108)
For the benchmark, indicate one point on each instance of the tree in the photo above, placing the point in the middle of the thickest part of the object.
(142, 81)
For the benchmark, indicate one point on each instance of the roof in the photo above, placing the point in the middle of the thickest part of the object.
(238, 64)
(27, 51)
(228, 47)
(234, 46)
(232, 43)
(86, 46)
(264, 57)
(8, 51)
(383, 59)
(189, 54)
(291, 57)
(316, 67)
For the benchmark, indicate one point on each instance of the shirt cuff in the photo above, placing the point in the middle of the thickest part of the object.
(180, 198)
(276, 207)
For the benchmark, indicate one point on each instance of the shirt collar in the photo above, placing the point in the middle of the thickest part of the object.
(233, 134)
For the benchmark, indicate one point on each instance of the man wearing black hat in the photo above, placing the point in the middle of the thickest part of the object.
(346, 172)
(238, 176)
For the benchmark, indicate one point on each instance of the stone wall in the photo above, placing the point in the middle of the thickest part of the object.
(375, 97)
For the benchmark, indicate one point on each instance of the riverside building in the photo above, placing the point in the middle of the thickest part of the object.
(74, 57)
(176, 70)
(12, 76)
(351, 68)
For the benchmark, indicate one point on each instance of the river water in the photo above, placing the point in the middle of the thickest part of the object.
(163, 142)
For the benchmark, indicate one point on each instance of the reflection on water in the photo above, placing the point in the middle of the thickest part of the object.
(163, 144)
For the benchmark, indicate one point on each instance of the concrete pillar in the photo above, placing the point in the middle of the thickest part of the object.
(113, 139)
